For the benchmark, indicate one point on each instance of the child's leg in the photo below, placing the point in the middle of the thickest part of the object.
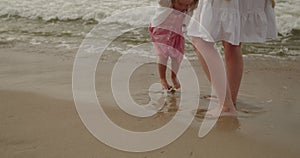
(162, 67)
(175, 67)
(234, 67)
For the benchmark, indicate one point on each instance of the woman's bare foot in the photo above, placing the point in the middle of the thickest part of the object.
(210, 97)
(225, 112)
(214, 98)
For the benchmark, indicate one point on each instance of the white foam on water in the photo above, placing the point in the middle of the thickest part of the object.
(287, 15)
(66, 9)
(287, 11)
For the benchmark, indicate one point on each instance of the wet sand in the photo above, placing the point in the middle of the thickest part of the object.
(39, 119)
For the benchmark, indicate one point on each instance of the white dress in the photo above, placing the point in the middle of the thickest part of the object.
(234, 21)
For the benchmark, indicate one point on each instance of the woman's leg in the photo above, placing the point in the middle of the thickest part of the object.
(214, 68)
(203, 63)
(234, 67)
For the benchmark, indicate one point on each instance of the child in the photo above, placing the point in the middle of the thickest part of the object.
(167, 37)
(233, 22)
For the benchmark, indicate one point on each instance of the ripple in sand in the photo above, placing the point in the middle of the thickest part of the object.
(245, 110)
(248, 108)
(159, 100)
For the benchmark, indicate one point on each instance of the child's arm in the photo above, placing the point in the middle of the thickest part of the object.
(164, 3)
(273, 3)
(193, 5)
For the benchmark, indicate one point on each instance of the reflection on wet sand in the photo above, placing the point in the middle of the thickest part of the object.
(170, 104)
(227, 124)
(170, 107)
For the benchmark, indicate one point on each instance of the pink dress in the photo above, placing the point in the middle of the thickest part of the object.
(167, 37)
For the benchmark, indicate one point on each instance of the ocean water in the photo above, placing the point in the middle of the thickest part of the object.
(65, 23)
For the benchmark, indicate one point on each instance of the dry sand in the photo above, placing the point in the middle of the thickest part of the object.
(39, 119)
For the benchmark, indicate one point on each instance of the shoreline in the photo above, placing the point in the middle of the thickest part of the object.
(39, 119)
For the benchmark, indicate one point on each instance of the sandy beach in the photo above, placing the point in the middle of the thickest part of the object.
(38, 117)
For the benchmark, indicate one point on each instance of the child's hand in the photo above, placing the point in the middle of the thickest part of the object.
(273, 3)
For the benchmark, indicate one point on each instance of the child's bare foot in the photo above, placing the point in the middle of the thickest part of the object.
(166, 87)
(175, 82)
(164, 84)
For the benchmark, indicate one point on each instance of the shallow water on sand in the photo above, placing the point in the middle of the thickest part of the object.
(64, 25)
